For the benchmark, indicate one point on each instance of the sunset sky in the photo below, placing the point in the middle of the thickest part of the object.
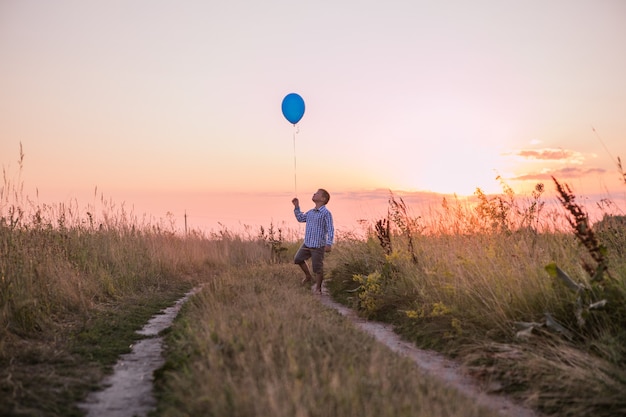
(175, 106)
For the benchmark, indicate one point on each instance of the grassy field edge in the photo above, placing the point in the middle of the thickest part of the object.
(53, 370)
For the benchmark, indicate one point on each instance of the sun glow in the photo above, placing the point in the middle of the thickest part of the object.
(464, 185)
(460, 170)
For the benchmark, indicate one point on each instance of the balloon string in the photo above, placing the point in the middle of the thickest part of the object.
(295, 179)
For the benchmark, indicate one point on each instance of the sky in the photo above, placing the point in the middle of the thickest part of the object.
(175, 107)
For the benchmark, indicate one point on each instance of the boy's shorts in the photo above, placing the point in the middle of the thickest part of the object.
(316, 255)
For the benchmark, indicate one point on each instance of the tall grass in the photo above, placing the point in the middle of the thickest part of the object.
(49, 267)
(474, 281)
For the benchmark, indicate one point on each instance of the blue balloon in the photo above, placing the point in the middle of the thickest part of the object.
(293, 108)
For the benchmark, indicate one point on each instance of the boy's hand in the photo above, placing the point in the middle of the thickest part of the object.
(296, 202)
(327, 248)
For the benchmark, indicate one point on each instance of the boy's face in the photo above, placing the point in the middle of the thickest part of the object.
(318, 197)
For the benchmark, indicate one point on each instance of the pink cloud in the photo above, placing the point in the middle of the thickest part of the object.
(567, 172)
(550, 154)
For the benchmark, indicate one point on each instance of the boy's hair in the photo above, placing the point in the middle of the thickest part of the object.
(326, 195)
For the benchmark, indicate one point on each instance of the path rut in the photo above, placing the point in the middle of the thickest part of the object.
(128, 390)
(432, 363)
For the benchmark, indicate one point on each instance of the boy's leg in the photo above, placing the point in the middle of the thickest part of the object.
(302, 255)
(307, 273)
(317, 261)
(318, 284)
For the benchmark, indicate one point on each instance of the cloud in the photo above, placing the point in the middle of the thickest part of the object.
(551, 154)
(383, 194)
(567, 172)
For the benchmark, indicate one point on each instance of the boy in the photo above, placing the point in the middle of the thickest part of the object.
(318, 237)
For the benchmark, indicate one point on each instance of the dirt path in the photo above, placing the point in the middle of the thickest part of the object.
(433, 363)
(128, 391)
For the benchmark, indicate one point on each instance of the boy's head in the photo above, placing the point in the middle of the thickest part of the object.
(324, 195)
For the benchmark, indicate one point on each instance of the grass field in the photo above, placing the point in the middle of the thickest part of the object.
(255, 343)
(533, 309)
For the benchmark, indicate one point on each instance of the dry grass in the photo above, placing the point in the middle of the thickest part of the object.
(71, 299)
(255, 343)
(47, 272)
(477, 276)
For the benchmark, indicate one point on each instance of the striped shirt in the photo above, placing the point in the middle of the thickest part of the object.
(319, 229)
